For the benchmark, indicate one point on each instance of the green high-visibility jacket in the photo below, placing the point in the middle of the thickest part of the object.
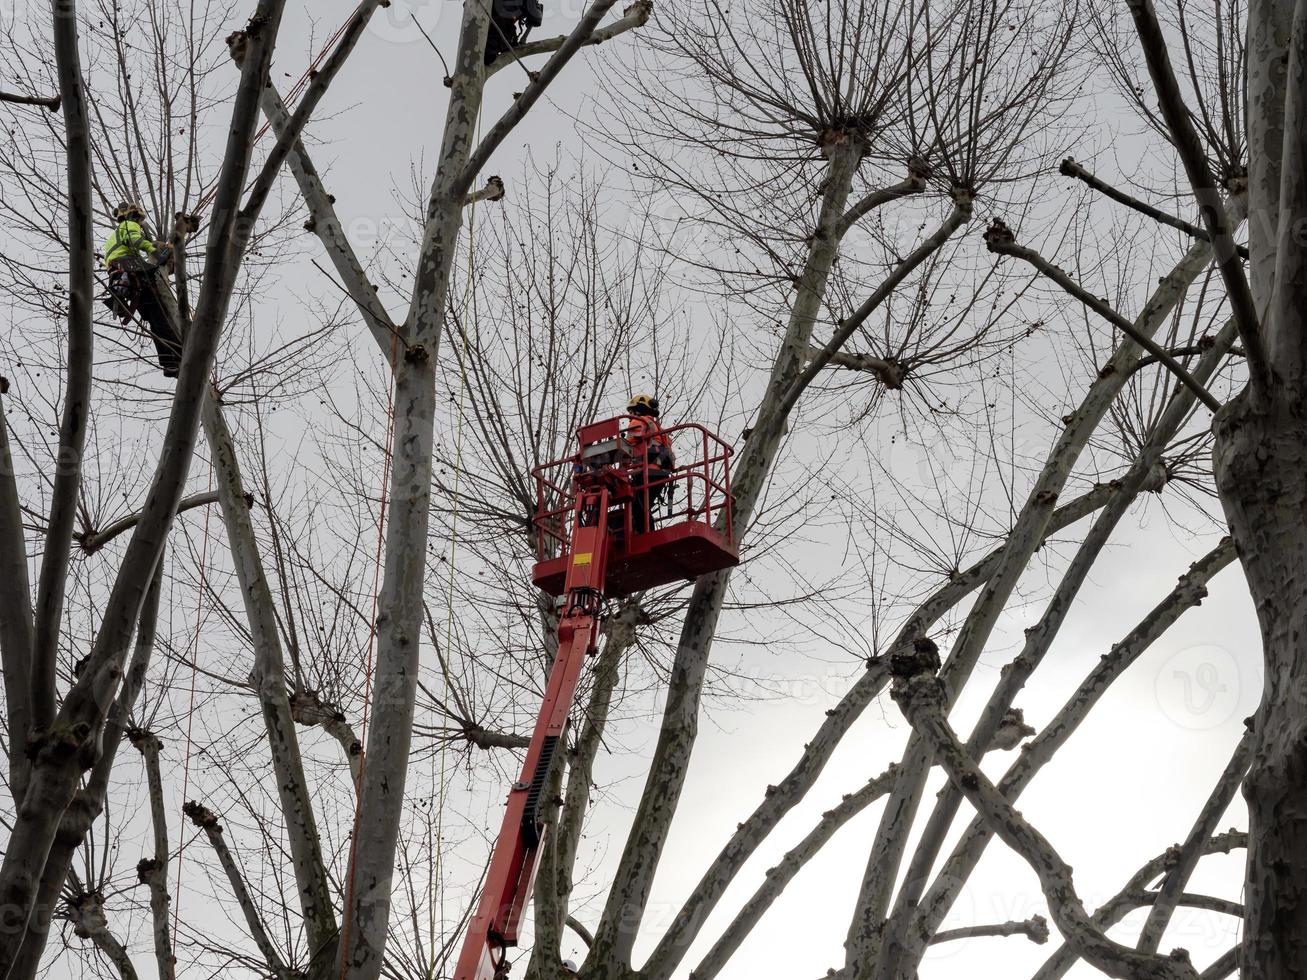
(128, 239)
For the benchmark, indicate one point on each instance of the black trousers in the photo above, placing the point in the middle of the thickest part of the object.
(646, 500)
(167, 342)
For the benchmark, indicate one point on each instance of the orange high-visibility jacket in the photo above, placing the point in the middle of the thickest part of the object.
(648, 441)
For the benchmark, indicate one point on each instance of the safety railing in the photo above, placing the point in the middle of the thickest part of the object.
(697, 488)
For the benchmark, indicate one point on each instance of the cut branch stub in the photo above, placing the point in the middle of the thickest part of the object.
(202, 817)
(147, 870)
(998, 236)
(1012, 730)
(923, 658)
(143, 741)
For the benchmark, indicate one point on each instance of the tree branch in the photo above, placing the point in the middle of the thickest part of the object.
(493, 191)
(1205, 190)
(268, 678)
(1035, 929)
(1028, 532)
(92, 541)
(1134, 895)
(635, 16)
(51, 102)
(915, 183)
(153, 871)
(324, 222)
(779, 877)
(959, 216)
(1070, 168)
(584, 30)
(86, 913)
(1189, 591)
(582, 933)
(308, 709)
(887, 372)
(1224, 966)
(71, 744)
(208, 822)
(839, 719)
(317, 88)
(920, 695)
(1188, 853)
(1001, 241)
(1146, 472)
(81, 357)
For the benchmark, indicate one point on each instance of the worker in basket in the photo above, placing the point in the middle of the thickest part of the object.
(134, 261)
(653, 460)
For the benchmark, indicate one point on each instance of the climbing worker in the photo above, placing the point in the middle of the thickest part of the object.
(569, 968)
(653, 458)
(510, 23)
(133, 261)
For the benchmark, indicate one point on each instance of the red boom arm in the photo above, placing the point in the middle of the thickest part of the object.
(493, 930)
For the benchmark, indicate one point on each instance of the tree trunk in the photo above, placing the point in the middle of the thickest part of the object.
(634, 880)
(1261, 470)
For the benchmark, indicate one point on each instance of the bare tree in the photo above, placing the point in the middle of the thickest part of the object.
(822, 164)
(56, 735)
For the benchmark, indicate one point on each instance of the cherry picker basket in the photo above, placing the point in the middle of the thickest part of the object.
(667, 525)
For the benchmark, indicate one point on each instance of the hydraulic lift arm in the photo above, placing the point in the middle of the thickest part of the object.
(516, 857)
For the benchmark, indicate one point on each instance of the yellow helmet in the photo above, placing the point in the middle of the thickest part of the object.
(643, 405)
(129, 211)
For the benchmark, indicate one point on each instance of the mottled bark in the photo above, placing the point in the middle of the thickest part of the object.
(268, 680)
(902, 950)
(74, 418)
(863, 942)
(634, 878)
(72, 740)
(1261, 466)
(782, 797)
(209, 823)
(1134, 895)
(399, 616)
(1189, 591)
(921, 697)
(152, 872)
(1171, 892)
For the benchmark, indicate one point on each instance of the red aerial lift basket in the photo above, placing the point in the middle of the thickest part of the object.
(691, 531)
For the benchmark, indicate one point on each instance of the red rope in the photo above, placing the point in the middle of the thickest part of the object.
(190, 715)
(291, 95)
(367, 670)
